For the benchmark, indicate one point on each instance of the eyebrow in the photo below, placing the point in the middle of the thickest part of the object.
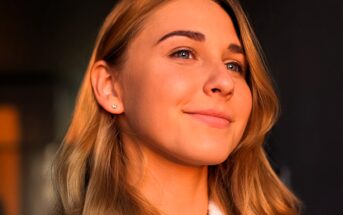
(197, 36)
(235, 48)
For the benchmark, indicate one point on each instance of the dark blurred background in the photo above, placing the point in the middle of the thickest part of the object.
(44, 50)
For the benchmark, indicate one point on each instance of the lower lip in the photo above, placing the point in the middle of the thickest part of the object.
(212, 121)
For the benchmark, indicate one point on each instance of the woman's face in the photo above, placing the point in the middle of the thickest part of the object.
(184, 93)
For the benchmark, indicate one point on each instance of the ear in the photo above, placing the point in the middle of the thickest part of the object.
(106, 88)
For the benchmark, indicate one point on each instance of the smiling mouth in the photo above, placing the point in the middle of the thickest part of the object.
(213, 120)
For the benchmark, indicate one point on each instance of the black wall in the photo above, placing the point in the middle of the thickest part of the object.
(303, 42)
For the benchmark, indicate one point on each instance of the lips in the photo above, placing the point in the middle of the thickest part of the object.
(211, 117)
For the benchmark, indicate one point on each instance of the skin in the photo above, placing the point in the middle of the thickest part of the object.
(183, 103)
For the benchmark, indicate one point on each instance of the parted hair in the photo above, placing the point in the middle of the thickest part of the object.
(89, 169)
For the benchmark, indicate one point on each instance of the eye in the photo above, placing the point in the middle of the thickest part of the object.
(183, 54)
(235, 67)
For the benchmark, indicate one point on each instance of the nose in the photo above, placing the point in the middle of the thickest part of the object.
(220, 82)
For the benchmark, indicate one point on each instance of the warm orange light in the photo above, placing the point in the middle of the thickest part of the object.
(10, 159)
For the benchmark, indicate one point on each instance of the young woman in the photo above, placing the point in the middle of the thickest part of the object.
(171, 117)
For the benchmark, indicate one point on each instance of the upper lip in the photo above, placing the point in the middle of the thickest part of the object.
(211, 112)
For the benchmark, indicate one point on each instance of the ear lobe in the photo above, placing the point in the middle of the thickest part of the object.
(106, 88)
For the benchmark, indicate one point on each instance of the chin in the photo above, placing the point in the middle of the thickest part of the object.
(207, 158)
(216, 160)
(214, 154)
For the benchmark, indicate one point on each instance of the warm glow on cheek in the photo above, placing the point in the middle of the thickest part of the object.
(166, 80)
(243, 101)
(154, 85)
(245, 97)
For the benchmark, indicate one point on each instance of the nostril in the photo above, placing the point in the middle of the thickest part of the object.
(215, 90)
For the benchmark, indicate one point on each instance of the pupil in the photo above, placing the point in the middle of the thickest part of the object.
(184, 54)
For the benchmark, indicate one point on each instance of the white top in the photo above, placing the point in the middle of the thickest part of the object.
(213, 209)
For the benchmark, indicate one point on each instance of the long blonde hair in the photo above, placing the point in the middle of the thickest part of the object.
(90, 171)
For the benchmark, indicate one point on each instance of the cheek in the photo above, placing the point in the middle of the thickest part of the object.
(153, 92)
(244, 99)
(242, 105)
(157, 84)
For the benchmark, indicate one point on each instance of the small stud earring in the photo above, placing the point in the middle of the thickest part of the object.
(114, 106)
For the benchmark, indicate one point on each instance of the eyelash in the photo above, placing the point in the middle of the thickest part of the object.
(238, 69)
(190, 54)
(183, 50)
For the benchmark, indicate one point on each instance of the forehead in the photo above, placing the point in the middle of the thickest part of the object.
(204, 16)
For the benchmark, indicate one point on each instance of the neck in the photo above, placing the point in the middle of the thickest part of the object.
(171, 187)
